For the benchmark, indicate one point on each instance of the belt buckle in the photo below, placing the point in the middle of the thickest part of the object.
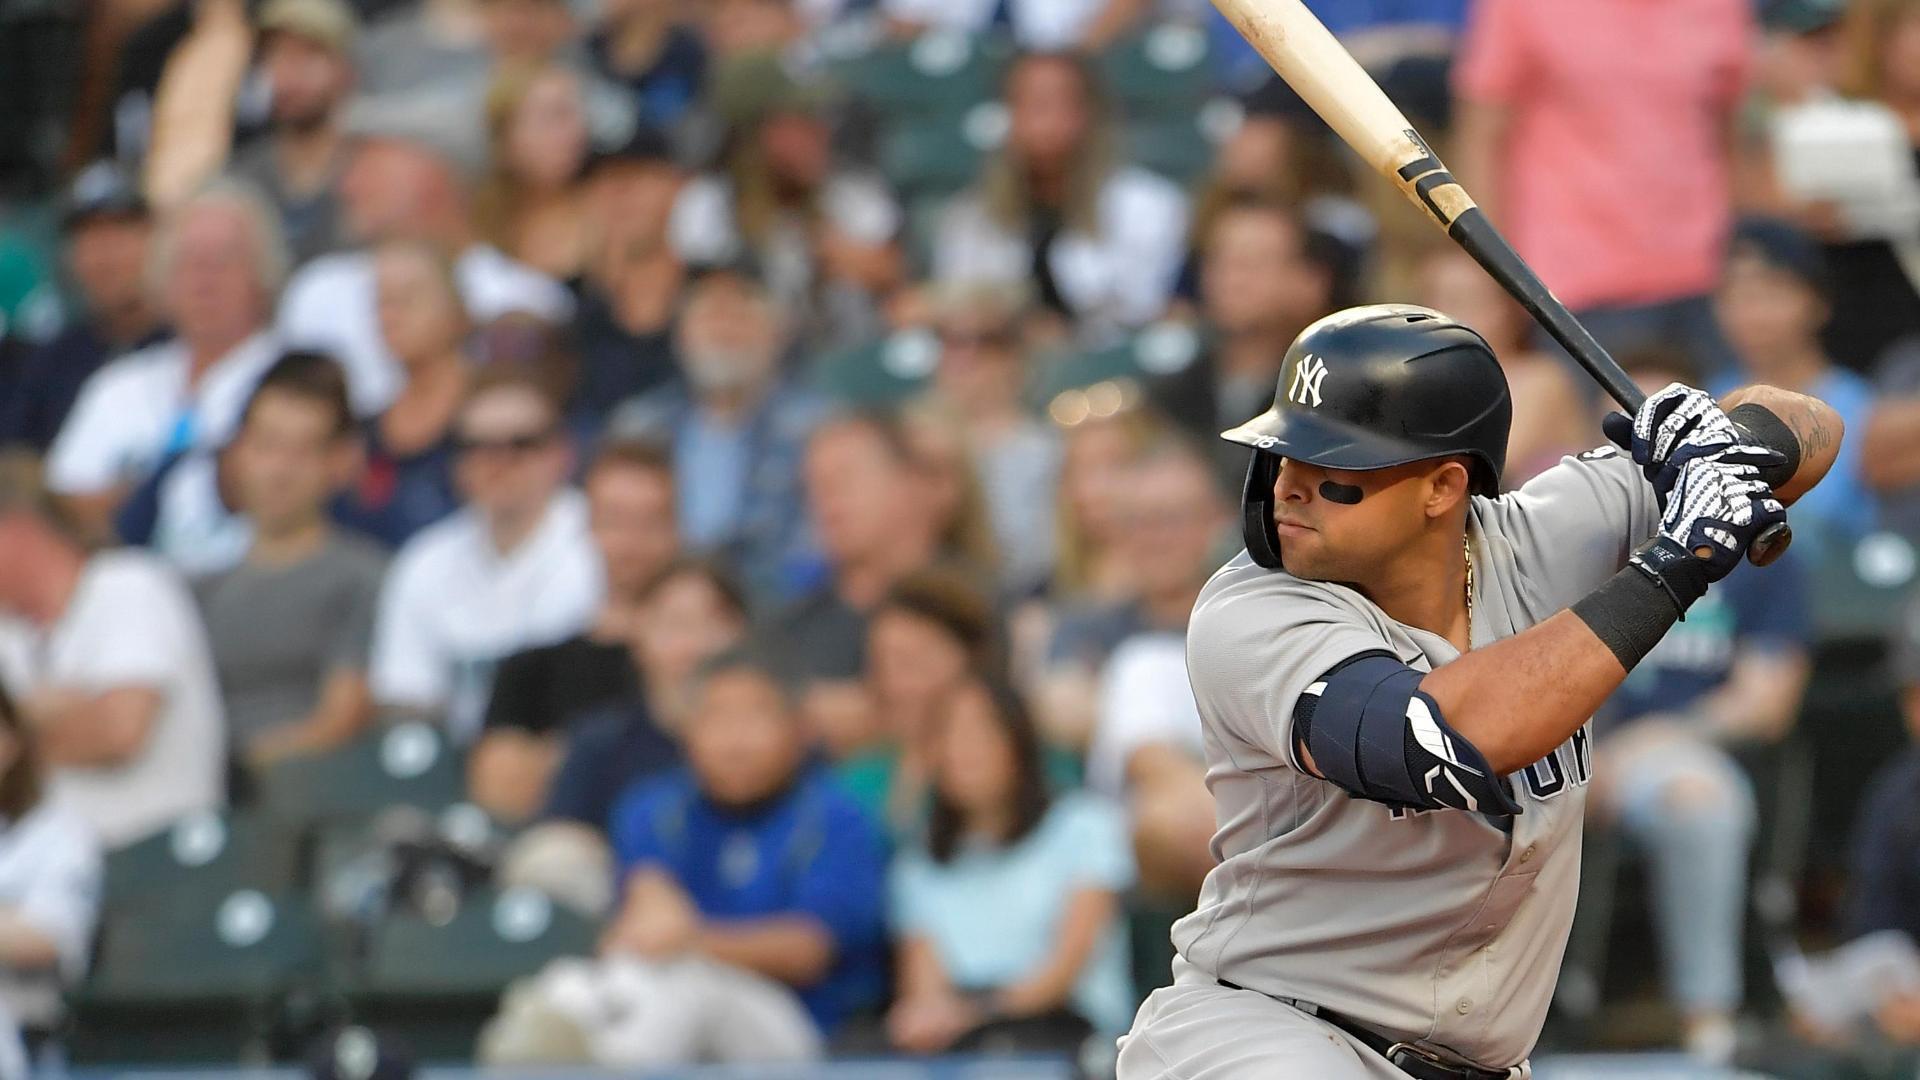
(1400, 1053)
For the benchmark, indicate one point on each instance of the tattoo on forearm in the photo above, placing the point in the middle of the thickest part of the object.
(1811, 430)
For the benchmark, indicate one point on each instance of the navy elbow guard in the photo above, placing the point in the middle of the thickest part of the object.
(1370, 730)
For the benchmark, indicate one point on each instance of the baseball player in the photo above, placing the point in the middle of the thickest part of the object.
(1395, 680)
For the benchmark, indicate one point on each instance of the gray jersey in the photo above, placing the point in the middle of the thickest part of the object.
(1437, 927)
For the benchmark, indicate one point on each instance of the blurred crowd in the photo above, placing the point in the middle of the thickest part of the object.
(773, 442)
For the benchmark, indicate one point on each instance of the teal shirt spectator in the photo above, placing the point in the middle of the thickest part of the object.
(993, 914)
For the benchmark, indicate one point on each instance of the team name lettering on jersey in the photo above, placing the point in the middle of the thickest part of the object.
(1547, 778)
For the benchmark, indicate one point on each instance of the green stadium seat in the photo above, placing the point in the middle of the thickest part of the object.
(938, 156)
(1160, 349)
(435, 986)
(940, 73)
(882, 374)
(1176, 147)
(1163, 71)
(405, 764)
(201, 978)
(204, 851)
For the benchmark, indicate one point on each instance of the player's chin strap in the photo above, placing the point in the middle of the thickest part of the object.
(1256, 510)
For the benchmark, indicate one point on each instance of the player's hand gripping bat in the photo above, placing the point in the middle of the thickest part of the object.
(1312, 61)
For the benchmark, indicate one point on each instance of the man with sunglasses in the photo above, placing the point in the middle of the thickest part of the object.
(513, 568)
(1394, 682)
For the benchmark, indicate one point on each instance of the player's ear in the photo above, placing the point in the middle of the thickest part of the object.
(1448, 486)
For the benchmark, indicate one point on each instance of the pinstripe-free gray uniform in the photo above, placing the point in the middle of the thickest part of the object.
(1439, 927)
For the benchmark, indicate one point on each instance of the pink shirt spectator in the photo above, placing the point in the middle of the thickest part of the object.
(1614, 175)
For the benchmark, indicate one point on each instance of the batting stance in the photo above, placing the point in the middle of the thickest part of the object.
(1395, 680)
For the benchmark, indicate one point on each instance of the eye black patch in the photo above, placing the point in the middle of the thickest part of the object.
(1345, 494)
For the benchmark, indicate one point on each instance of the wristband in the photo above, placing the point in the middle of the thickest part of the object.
(1760, 423)
(1631, 611)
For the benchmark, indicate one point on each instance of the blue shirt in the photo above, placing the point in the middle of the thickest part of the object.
(993, 915)
(809, 852)
(1755, 608)
(608, 751)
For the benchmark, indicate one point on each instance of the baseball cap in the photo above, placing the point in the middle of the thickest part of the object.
(102, 189)
(748, 89)
(358, 1053)
(1801, 16)
(444, 124)
(1781, 246)
(326, 22)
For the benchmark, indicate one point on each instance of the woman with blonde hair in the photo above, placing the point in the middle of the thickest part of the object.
(532, 204)
(1100, 240)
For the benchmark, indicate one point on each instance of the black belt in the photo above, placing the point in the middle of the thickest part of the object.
(1408, 1058)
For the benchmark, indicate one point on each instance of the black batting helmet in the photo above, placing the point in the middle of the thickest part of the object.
(1371, 387)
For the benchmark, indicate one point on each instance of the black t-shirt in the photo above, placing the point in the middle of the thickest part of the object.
(546, 689)
(615, 363)
(822, 638)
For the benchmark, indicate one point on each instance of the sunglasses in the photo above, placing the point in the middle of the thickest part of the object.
(505, 444)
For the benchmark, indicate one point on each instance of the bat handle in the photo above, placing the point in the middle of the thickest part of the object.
(1770, 544)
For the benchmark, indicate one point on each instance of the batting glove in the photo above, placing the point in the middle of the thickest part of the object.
(1681, 424)
(1716, 510)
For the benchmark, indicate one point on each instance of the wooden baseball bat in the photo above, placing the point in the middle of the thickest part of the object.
(1327, 77)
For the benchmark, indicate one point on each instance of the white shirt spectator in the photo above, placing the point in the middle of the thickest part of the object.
(131, 622)
(453, 606)
(1145, 698)
(138, 409)
(329, 306)
(50, 875)
(1040, 25)
(1120, 277)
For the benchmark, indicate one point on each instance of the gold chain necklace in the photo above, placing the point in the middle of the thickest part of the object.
(1466, 548)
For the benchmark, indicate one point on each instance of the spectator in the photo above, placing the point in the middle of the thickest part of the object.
(1146, 750)
(938, 439)
(1097, 449)
(434, 44)
(539, 693)
(876, 526)
(822, 233)
(513, 568)
(49, 890)
(402, 184)
(216, 267)
(1007, 919)
(407, 482)
(1885, 856)
(736, 428)
(1264, 278)
(532, 205)
(1561, 109)
(1550, 407)
(1824, 150)
(1100, 240)
(980, 379)
(641, 45)
(106, 228)
(1729, 676)
(290, 626)
(110, 661)
(734, 28)
(1890, 444)
(754, 873)
(633, 282)
(305, 55)
(1064, 641)
(1772, 302)
(1089, 25)
(690, 613)
(929, 635)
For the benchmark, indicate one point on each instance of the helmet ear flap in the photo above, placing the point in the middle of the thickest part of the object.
(1256, 510)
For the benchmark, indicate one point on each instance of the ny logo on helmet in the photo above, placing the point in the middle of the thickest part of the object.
(1307, 377)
